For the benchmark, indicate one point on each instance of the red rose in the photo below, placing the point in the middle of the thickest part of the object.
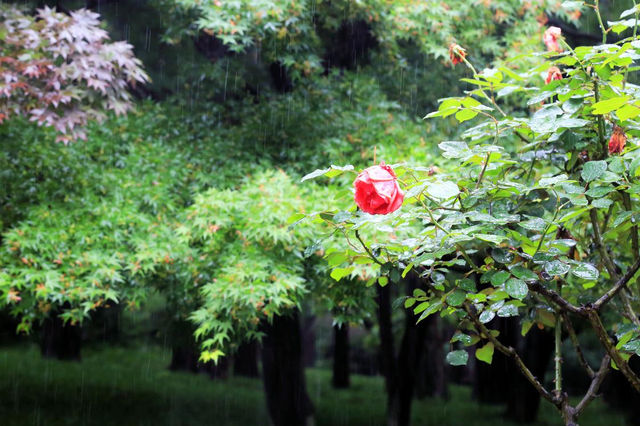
(617, 141)
(456, 53)
(550, 39)
(554, 73)
(377, 190)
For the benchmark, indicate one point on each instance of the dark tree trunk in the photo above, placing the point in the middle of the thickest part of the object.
(340, 379)
(400, 372)
(491, 385)
(350, 46)
(60, 340)
(536, 350)
(219, 370)
(105, 324)
(184, 358)
(431, 373)
(184, 350)
(387, 353)
(411, 353)
(283, 372)
(245, 360)
(309, 354)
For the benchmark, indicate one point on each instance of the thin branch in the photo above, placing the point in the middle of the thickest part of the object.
(596, 381)
(576, 345)
(626, 201)
(600, 246)
(601, 332)
(555, 297)
(511, 352)
(620, 284)
(375, 259)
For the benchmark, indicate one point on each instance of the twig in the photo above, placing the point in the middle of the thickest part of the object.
(555, 297)
(593, 214)
(601, 332)
(596, 381)
(620, 284)
(375, 259)
(576, 345)
(511, 352)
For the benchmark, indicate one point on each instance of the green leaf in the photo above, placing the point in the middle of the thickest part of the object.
(608, 105)
(556, 267)
(457, 357)
(526, 326)
(383, 281)
(339, 273)
(465, 114)
(409, 302)
(499, 278)
(454, 149)
(508, 310)
(537, 224)
(456, 298)
(431, 310)
(593, 170)
(487, 316)
(485, 353)
(314, 174)
(467, 284)
(516, 288)
(443, 190)
(524, 273)
(628, 111)
(586, 271)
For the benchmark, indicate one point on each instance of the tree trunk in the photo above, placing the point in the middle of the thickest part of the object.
(283, 372)
(431, 373)
(400, 372)
(184, 350)
(492, 381)
(387, 353)
(60, 340)
(340, 379)
(245, 360)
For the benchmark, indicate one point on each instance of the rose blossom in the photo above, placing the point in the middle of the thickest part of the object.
(456, 53)
(617, 141)
(377, 190)
(550, 39)
(553, 73)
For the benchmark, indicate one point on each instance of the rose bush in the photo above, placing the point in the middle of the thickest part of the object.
(533, 216)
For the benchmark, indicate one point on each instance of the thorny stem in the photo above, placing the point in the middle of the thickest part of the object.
(603, 143)
(558, 350)
(602, 28)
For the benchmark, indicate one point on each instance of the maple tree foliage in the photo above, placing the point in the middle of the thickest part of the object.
(62, 70)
